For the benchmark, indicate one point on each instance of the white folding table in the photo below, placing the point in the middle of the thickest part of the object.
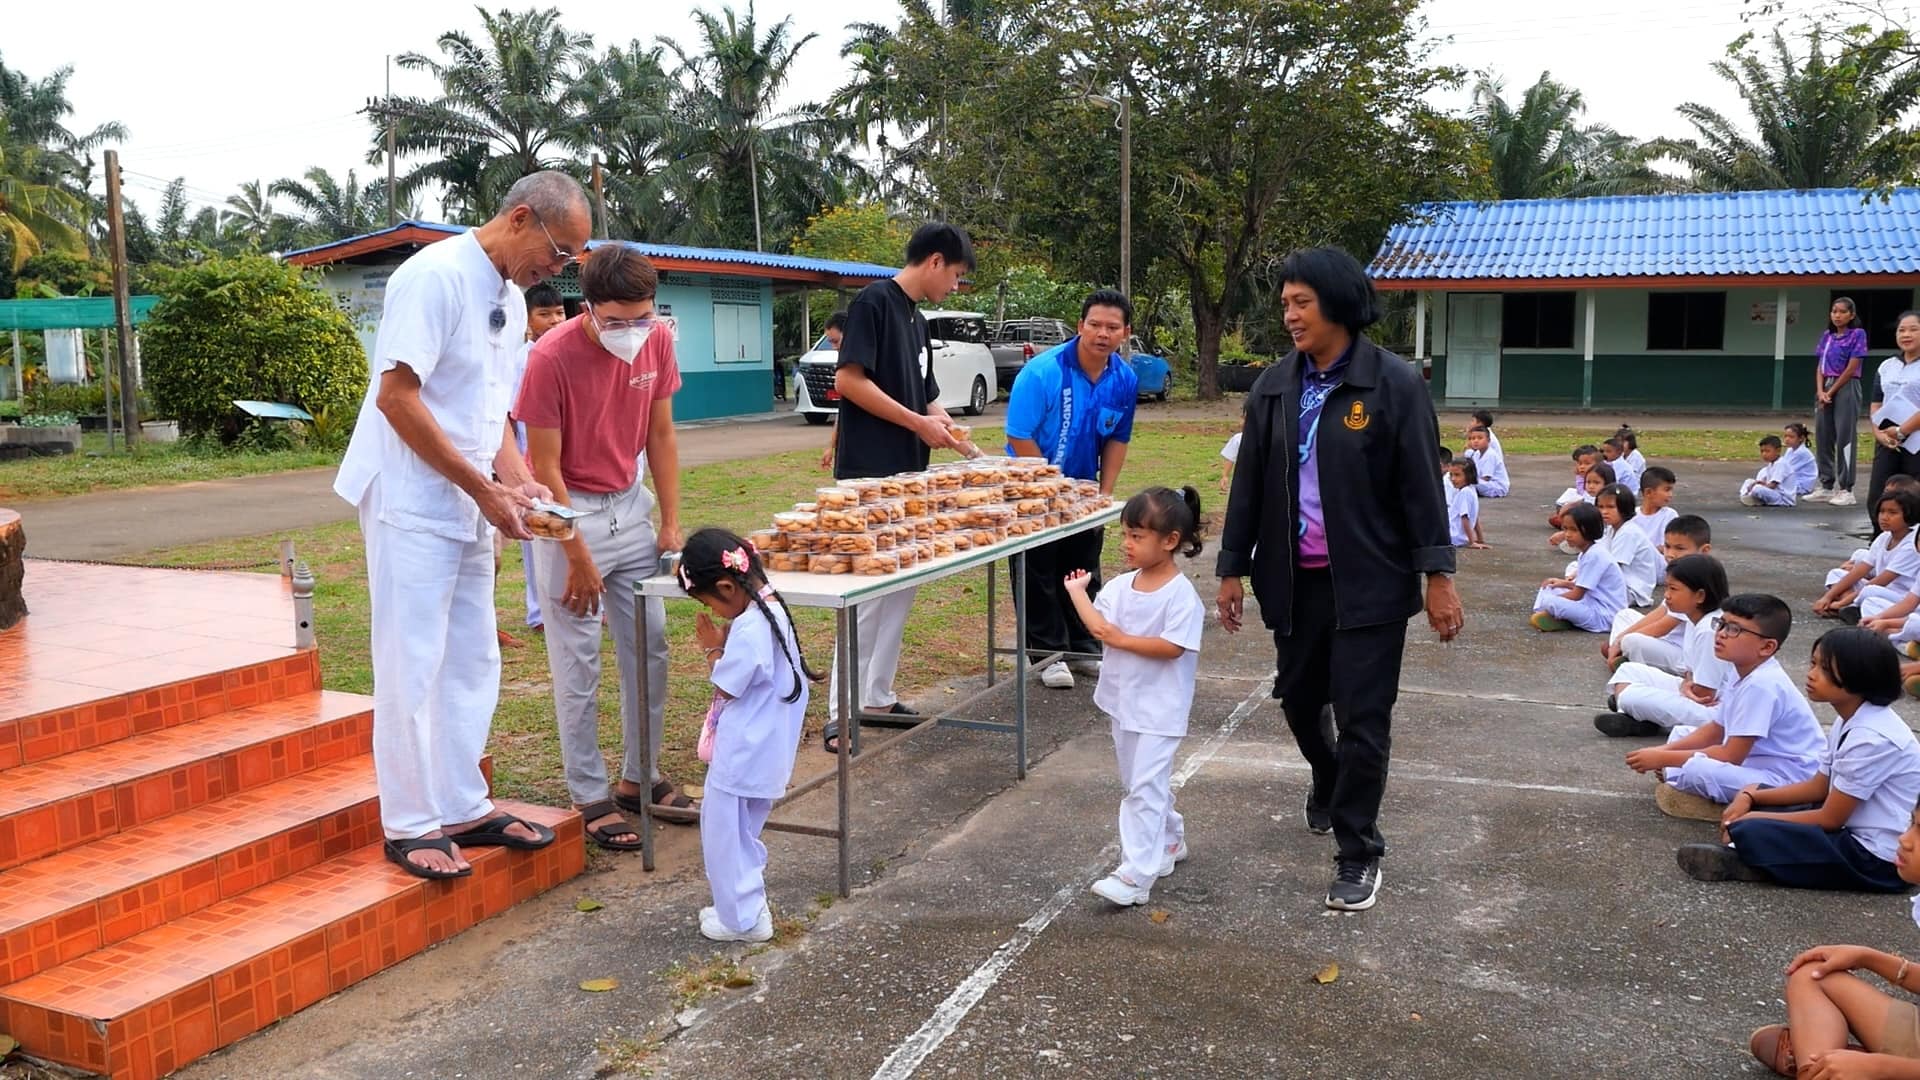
(843, 594)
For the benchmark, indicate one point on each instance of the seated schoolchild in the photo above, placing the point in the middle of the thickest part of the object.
(1773, 484)
(1613, 454)
(1888, 572)
(1585, 457)
(1639, 563)
(1595, 481)
(1799, 459)
(1656, 497)
(1594, 593)
(1463, 506)
(1657, 636)
(1645, 699)
(1490, 463)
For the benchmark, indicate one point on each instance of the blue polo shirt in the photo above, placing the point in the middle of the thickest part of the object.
(1071, 418)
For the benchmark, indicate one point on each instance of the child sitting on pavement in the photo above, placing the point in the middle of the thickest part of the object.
(1799, 458)
(1614, 455)
(1490, 463)
(1595, 481)
(1658, 635)
(1463, 506)
(1585, 457)
(1773, 485)
(1644, 699)
(1890, 567)
(1594, 593)
(1656, 498)
(1639, 563)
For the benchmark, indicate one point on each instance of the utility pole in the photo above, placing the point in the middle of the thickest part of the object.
(122, 316)
(1126, 194)
(600, 199)
(393, 210)
(753, 173)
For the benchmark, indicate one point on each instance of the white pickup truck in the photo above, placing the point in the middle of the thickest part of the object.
(962, 365)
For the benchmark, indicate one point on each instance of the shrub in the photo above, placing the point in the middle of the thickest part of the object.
(246, 328)
(45, 397)
(9, 410)
(51, 419)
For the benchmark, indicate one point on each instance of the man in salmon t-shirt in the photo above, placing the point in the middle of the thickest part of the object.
(597, 395)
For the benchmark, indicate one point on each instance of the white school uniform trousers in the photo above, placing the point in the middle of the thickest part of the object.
(755, 739)
(1777, 471)
(1650, 692)
(881, 623)
(625, 550)
(1148, 701)
(452, 319)
(1661, 652)
(1606, 593)
(1787, 745)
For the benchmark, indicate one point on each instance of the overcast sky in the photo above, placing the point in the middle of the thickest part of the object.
(221, 93)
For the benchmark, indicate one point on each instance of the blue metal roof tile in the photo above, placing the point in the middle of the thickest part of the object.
(1826, 232)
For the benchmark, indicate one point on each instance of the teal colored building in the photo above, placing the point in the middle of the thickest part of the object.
(1685, 302)
(721, 299)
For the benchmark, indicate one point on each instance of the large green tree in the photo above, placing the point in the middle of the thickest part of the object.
(330, 209)
(628, 122)
(1833, 117)
(1537, 148)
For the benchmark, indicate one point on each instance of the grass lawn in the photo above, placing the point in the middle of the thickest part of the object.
(945, 637)
(94, 469)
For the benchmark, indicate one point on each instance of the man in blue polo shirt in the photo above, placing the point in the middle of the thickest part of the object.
(1073, 405)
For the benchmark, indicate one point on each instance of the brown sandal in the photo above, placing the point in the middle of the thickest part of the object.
(605, 834)
(1773, 1046)
(670, 804)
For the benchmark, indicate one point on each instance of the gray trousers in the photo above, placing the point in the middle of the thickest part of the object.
(1836, 435)
(625, 551)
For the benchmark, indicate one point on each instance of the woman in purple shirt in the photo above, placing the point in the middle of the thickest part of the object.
(1836, 415)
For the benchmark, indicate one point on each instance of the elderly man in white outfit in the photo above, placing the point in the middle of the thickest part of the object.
(433, 469)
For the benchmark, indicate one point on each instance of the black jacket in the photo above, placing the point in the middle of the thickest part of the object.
(1378, 453)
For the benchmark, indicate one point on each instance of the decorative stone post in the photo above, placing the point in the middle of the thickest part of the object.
(303, 637)
(13, 569)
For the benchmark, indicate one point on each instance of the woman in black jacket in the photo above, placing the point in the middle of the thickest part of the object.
(1337, 514)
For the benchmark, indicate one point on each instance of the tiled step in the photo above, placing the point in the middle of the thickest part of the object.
(64, 906)
(151, 1004)
(55, 805)
(107, 712)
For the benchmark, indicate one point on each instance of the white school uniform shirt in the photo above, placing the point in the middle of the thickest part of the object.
(437, 320)
(1696, 654)
(1654, 526)
(1462, 502)
(1492, 465)
(1767, 706)
(1894, 375)
(1144, 695)
(1899, 556)
(757, 733)
(1639, 563)
(1573, 495)
(1596, 572)
(1777, 472)
(1803, 468)
(1626, 475)
(1638, 460)
(1231, 451)
(1875, 758)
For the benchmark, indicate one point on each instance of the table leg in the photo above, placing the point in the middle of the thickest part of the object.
(1017, 570)
(993, 662)
(843, 756)
(646, 739)
(850, 686)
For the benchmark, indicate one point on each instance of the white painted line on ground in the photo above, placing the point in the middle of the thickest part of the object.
(1507, 699)
(907, 1057)
(1401, 774)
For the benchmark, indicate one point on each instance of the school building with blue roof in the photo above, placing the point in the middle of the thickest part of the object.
(722, 300)
(1695, 302)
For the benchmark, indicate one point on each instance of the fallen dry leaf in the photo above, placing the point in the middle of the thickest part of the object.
(588, 905)
(1159, 915)
(8, 1045)
(1327, 974)
(739, 980)
(694, 791)
(599, 986)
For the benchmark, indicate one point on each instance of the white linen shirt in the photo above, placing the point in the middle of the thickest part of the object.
(1489, 464)
(1875, 758)
(1639, 563)
(757, 733)
(437, 321)
(1144, 695)
(1768, 707)
(1899, 556)
(1893, 375)
(1654, 526)
(1696, 654)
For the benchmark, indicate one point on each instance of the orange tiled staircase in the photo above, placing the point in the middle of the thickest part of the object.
(189, 833)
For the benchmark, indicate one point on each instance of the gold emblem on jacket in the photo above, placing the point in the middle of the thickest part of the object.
(1356, 418)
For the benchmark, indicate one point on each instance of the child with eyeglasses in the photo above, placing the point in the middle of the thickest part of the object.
(1765, 733)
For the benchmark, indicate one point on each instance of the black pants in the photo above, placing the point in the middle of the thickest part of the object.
(1886, 465)
(1358, 672)
(1052, 624)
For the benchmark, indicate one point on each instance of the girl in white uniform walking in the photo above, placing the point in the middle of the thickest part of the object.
(753, 726)
(1149, 621)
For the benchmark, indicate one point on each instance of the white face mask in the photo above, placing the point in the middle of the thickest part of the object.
(625, 342)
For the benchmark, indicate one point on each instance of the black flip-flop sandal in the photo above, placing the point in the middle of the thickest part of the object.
(830, 737)
(670, 804)
(604, 835)
(398, 850)
(896, 716)
(493, 833)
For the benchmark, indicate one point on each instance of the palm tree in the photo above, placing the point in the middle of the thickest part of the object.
(1821, 122)
(36, 215)
(733, 136)
(332, 210)
(628, 122)
(1539, 150)
(506, 104)
(35, 113)
(252, 218)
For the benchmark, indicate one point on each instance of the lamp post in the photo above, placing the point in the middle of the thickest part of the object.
(1125, 124)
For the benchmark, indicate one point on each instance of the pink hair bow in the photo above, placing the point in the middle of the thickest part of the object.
(736, 560)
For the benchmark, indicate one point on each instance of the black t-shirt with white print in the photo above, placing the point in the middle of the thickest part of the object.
(887, 336)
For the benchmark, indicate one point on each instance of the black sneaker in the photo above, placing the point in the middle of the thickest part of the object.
(1356, 884)
(1613, 703)
(1850, 615)
(1716, 862)
(1319, 819)
(1621, 726)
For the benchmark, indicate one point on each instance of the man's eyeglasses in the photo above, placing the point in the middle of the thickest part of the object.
(560, 254)
(643, 322)
(1733, 630)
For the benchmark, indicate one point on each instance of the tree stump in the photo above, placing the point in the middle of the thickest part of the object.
(13, 569)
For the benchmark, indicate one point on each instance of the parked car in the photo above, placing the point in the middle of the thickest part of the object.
(1017, 341)
(1152, 371)
(962, 365)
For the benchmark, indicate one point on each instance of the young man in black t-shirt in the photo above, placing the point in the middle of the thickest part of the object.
(891, 422)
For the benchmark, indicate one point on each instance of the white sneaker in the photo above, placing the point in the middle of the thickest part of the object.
(1822, 495)
(1089, 668)
(1175, 855)
(1843, 498)
(1118, 890)
(710, 928)
(1057, 676)
(1748, 500)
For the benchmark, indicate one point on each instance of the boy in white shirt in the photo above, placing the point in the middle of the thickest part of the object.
(1773, 484)
(1463, 506)
(1656, 494)
(1657, 637)
(1489, 463)
(1764, 734)
(1625, 472)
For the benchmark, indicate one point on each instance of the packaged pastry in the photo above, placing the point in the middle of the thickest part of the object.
(983, 475)
(978, 496)
(796, 521)
(891, 488)
(1056, 519)
(807, 507)
(961, 541)
(876, 565)
(943, 546)
(949, 522)
(1048, 471)
(867, 490)
(854, 544)
(820, 543)
(902, 533)
(1031, 508)
(883, 540)
(943, 501)
(837, 498)
(897, 510)
(906, 556)
(923, 550)
(852, 520)
(829, 564)
(998, 514)
(922, 529)
(917, 506)
(913, 483)
(1086, 489)
(945, 479)
(876, 513)
(767, 540)
(1061, 503)
(792, 561)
